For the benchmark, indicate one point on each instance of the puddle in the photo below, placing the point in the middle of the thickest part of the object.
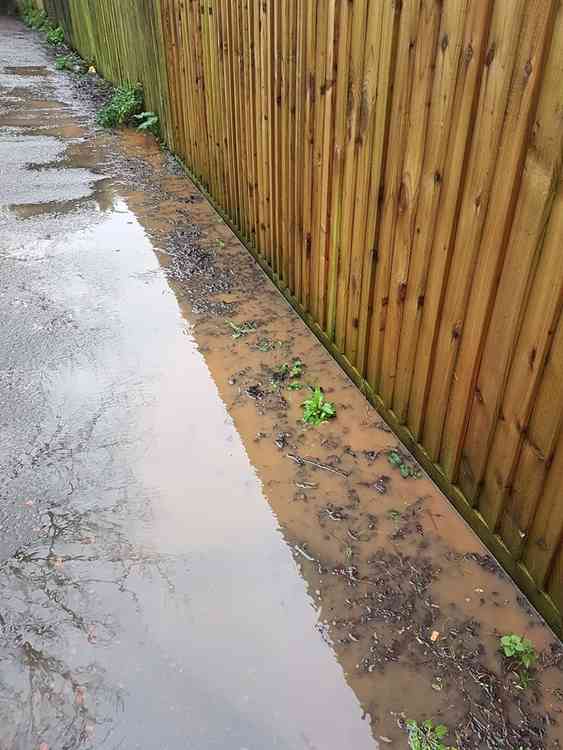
(184, 562)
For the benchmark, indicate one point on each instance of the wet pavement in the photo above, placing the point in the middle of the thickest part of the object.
(183, 562)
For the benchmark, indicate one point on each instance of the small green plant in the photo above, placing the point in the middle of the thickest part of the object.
(317, 409)
(289, 371)
(515, 647)
(148, 121)
(427, 736)
(55, 36)
(296, 369)
(394, 515)
(126, 102)
(295, 385)
(33, 17)
(521, 648)
(406, 468)
(64, 62)
(243, 329)
(265, 345)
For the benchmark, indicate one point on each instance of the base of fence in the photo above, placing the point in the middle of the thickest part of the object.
(539, 599)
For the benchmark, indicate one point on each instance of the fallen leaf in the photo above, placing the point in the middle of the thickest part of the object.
(435, 635)
(43, 746)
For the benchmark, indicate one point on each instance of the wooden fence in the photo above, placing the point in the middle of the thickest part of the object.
(396, 167)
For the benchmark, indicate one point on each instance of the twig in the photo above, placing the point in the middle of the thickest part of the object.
(299, 460)
(302, 552)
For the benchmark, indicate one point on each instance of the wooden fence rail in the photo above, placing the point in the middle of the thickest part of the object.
(396, 166)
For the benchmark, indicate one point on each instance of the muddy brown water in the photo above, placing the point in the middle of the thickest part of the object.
(185, 563)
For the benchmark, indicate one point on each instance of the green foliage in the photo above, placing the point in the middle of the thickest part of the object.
(148, 121)
(243, 330)
(289, 371)
(55, 35)
(71, 62)
(427, 736)
(32, 16)
(296, 369)
(317, 409)
(406, 468)
(126, 102)
(63, 62)
(521, 649)
(66, 62)
(295, 385)
(394, 514)
(265, 345)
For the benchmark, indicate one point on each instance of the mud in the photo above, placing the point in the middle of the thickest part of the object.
(185, 562)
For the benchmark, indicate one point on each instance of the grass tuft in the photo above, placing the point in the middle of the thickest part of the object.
(317, 409)
(148, 121)
(55, 36)
(33, 17)
(427, 735)
(126, 102)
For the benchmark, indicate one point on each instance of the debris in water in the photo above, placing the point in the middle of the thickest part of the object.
(301, 461)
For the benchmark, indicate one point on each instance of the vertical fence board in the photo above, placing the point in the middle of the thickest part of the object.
(352, 104)
(538, 188)
(537, 453)
(532, 347)
(454, 38)
(392, 194)
(425, 52)
(500, 60)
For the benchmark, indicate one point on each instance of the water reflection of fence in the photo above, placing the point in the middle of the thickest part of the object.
(396, 166)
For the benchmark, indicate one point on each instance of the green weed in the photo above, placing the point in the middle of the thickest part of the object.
(55, 36)
(514, 646)
(427, 736)
(32, 16)
(265, 345)
(63, 62)
(290, 372)
(522, 650)
(69, 62)
(394, 514)
(243, 330)
(406, 468)
(295, 385)
(148, 121)
(317, 409)
(126, 102)
(296, 369)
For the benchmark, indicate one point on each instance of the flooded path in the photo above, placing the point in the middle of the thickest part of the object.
(183, 562)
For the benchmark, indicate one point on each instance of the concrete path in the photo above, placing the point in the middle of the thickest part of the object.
(184, 563)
